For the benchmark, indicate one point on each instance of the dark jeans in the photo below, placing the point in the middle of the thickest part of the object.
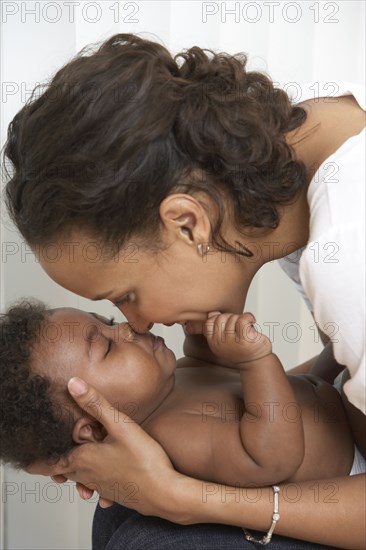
(118, 528)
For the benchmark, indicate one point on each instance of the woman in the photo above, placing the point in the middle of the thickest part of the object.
(164, 187)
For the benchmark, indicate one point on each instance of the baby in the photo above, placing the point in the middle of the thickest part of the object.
(241, 425)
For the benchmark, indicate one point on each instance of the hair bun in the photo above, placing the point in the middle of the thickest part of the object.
(213, 74)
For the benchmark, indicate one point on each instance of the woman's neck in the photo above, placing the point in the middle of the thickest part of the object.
(327, 126)
(267, 244)
(329, 123)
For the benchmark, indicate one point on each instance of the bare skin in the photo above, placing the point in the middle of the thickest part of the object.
(185, 223)
(137, 278)
(248, 424)
(334, 121)
(326, 511)
(198, 410)
(189, 500)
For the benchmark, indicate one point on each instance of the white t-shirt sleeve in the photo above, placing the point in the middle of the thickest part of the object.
(331, 269)
(332, 266)
(335, 285)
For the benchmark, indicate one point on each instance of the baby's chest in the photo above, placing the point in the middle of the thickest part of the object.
(223, 402)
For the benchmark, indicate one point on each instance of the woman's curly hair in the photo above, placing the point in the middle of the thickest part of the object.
(32, 425)
(119, 128)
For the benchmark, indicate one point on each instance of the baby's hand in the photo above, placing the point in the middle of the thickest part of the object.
(233, 338)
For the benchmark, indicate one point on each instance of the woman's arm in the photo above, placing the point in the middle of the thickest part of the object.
(323, 365)
(326, 366)
(304, 368)
(129, 467)
(330, 512)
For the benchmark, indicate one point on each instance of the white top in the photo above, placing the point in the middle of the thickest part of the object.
(330, 270)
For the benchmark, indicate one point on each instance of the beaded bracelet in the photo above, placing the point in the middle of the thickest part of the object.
(275, 517)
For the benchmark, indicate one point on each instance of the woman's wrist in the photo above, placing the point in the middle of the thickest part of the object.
(193, 501)
(198, 501)
(181, 502)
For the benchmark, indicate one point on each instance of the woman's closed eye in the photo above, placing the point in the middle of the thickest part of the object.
(125, 299)
(103, 319)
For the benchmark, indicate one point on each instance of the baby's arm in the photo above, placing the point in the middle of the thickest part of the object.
(270, 430)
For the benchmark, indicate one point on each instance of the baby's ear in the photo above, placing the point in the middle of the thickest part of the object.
(86, 429)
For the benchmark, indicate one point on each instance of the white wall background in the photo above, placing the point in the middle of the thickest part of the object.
(292, 41)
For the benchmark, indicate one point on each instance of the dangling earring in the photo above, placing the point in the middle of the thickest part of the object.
(200, 249)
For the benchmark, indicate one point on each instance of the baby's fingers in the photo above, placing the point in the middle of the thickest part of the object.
(198, 327)
(245, 326)
(193, 327)
(218, 327)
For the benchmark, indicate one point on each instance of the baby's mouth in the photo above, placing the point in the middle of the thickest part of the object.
(157, 342)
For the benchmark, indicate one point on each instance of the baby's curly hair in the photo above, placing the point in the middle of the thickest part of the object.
(32, 425)
(118, 129)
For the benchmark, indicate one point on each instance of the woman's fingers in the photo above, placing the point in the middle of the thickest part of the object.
(128, 466)
(105, 503)
(122, 467)
(89, 399)
(84, 492)
(59, 478)
(43, 468)
(95, 405)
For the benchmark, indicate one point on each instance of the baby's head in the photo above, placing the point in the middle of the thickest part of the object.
(41, 349)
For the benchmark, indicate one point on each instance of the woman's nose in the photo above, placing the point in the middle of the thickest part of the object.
(124, 333)
(141, 325)
(138, 323)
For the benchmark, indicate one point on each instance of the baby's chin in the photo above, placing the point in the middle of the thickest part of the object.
(171, 360)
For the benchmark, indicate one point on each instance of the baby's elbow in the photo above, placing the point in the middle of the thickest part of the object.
(285, 466)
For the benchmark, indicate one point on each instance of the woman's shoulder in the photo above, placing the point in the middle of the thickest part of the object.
(299, 92)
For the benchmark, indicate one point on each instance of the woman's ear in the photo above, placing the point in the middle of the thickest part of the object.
(86, 429)
(185, 217)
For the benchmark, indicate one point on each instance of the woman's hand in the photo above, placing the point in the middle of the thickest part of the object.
(128, 466)
(131, 460)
